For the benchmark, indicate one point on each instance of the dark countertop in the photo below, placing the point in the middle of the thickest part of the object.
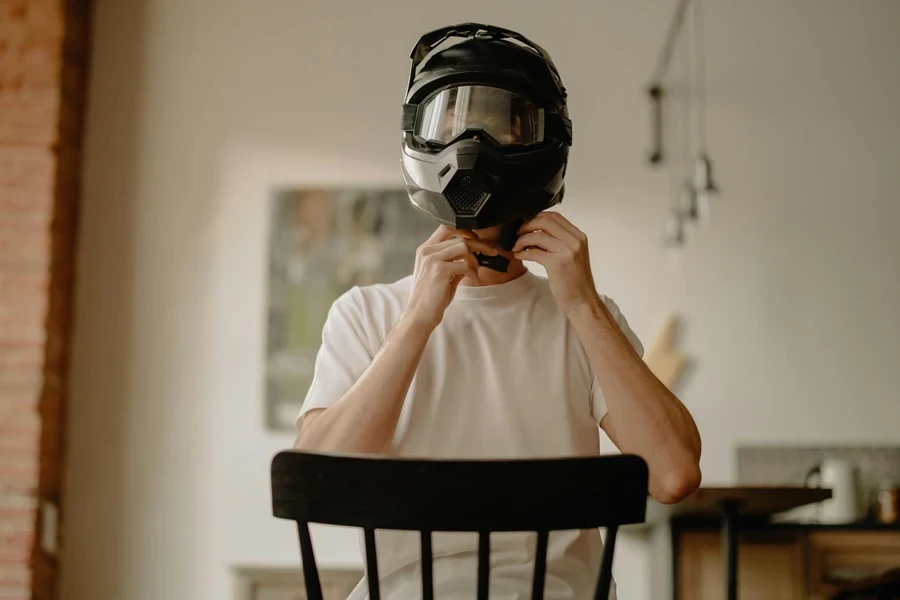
(761, 524)
(748, 501)
(758, 504)
(752, 502)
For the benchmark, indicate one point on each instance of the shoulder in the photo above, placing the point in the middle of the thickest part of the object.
(360, 297)
(380, 292)
(373, 308)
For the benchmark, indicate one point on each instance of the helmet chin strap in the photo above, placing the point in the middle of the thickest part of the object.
(508, 236)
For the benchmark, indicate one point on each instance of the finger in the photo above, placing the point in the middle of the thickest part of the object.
(463, 233)
(497, 250)
(476, 245)
(443, 233)
(544, 222)
(540, 239)
(472, 261)
(567, 224)
(458, 270)
(439, 247)
(440, 234)
(458, 248)
(542, 257)
(426, 250)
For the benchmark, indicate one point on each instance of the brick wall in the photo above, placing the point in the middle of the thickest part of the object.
(43, 58)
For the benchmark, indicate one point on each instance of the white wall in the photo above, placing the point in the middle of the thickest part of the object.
(198, 108)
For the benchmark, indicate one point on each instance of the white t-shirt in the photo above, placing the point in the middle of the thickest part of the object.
(503, 376)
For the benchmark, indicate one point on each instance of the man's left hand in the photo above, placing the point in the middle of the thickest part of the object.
(550, 240)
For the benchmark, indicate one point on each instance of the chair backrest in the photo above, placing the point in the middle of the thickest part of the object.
(477, 496)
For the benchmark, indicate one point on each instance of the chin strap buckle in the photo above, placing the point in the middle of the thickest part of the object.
(497, 263)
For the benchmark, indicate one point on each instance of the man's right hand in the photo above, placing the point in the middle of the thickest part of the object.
(441, 264)
(365, 417)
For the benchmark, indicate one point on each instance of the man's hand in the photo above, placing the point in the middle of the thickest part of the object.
(562, 249)
(441, 263)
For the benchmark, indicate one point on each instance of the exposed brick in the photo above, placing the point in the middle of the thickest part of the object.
(16, 500)
(21, 356)
(21, 474)
(29, 66)
(43, 73)
(25, 223)
(13, 10)
(27, 168)
(13, 400)
(12, 556)
(16, 200)
(33, 219)
(13, 593)
(22, 539)
(13, 444)
(30, 44)
(14, 575)
(28, 117)
(15, 309)
(13, 378)
(24, 245)
(19, 421)
(18, 333)
(17, 519)
(20, 279)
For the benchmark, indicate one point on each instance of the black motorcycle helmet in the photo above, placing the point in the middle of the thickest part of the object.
(486, 132)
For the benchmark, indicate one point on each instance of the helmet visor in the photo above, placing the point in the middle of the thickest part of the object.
(509, 119)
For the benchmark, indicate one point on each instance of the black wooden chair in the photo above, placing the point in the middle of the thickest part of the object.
(474, 496)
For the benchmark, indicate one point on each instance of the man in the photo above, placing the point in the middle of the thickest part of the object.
(473, 356)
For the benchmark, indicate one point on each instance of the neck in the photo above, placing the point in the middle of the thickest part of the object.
(491, 277)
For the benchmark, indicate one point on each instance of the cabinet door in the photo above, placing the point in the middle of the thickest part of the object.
(843, 555)
(770, 567)
(286, 583)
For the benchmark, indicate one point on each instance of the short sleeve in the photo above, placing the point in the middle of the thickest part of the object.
(598, 401)
(344, 355)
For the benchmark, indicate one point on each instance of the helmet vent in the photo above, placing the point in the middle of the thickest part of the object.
(466, 193)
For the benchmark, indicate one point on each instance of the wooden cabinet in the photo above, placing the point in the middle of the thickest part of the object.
(836, 556)
(782, 563)
(268, 583)
(769, 567)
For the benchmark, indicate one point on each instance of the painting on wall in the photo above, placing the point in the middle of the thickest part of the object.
(324, 242)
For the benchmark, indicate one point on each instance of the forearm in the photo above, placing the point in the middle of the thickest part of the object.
(364, 419)
(644, 417)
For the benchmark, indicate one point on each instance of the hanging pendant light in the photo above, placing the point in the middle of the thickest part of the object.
(703, 175)
(690, 203)
(704, 181)
(704, 187)
(674, 232)
(691, 191)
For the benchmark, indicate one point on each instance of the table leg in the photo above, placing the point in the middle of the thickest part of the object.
(730, 548)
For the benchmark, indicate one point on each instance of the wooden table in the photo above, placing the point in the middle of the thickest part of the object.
(731, 503)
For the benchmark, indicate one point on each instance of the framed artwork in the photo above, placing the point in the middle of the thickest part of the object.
(324, 242)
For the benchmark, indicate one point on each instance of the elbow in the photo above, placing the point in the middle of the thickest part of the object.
(678, 484)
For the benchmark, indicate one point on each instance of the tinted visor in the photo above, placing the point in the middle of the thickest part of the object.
(506, 117)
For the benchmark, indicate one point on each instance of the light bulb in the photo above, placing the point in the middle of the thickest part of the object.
(702, 202)
(703, 175)
(689, 206)
(674, 234)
